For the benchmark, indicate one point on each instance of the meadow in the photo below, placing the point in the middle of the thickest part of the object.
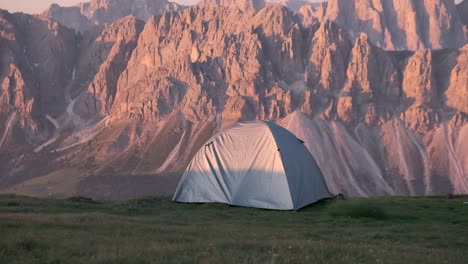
(156, 230)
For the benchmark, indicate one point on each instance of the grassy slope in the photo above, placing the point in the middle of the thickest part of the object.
(383, 230)
(60, 183)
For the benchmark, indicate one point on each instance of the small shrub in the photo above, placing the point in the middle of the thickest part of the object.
(357, 209)
(13, 204)
(450, 196)
(340, 196)
(83, 200)
(28, 245)
(146, 202)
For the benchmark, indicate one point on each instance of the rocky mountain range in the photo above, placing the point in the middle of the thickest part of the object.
(113, 104)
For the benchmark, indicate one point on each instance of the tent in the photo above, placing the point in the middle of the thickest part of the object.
(256, 164)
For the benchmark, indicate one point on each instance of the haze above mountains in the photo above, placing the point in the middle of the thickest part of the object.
(111, 99)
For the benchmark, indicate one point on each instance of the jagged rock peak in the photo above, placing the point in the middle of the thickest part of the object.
(243, 5)
(278, 16)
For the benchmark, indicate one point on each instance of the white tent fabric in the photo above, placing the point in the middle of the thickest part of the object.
(257, 164)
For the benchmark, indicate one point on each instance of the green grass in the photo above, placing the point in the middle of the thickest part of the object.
(155, 230)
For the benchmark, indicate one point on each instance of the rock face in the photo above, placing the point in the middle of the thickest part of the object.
(133, 102)
(101, 12)
(104, 57)
(397, 25)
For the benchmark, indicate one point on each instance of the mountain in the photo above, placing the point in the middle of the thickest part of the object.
(399, 24)
(119, 110)
(100, 12)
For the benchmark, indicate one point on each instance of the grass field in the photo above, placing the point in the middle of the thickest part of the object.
(155, 230)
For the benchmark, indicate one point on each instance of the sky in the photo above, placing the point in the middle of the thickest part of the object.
(37, 6)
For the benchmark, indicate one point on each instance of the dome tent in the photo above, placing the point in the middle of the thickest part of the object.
(256, 164)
